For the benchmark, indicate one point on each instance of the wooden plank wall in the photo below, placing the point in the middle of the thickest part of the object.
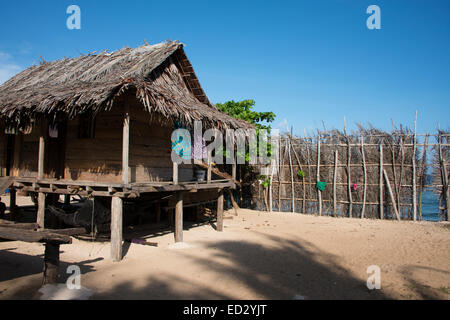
(100, 159)
(150, 149)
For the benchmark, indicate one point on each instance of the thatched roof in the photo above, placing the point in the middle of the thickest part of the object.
(160, 76)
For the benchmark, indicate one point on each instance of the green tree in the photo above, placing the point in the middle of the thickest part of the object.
(243, 110)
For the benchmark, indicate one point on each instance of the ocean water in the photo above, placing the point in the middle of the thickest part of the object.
(430, 206)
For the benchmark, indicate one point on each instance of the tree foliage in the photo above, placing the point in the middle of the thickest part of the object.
(243, 110)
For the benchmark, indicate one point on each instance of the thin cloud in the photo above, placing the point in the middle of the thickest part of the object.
(7, 68)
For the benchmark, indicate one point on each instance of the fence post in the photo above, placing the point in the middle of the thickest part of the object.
(336, 159)
(319, 193)
(381, 182)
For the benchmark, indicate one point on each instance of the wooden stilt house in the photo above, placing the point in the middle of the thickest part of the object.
(100, 126)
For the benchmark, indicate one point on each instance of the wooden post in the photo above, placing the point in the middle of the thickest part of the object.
(303, 181)
(280, 176)
(292, 176)
(51, 263)
(363, 211)
(336, 160)
(319, 193)
(422, 175)
(414, 171)
(391, 195)
(272, 169)
(116, 228)
(67, 199)
(175, 173)
(158, 211)
(220, 211)
(126, 147)
(233, 170)
(349, 179)
(179, 217)
(41, 157)
(12, 203)
(41, 210)
(18, 138)
(400, 182)
(209, 174)
(381, 182)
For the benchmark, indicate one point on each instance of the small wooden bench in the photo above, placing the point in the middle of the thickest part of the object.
(30, 232)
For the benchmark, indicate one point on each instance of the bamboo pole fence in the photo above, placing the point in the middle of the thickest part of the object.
(368, 174)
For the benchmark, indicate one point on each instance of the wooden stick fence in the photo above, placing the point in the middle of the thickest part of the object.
(362, 179)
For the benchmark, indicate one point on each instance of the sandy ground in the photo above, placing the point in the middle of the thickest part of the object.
(258, 256)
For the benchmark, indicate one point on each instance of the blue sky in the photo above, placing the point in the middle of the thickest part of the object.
(308, 61)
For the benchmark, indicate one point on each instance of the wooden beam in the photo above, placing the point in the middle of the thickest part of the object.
(126, 146)
(116, 228)
(20, 234)
(41, 210)
(220, 211)
(179, 217)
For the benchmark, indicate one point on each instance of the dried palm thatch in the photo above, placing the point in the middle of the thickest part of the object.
(160, 76)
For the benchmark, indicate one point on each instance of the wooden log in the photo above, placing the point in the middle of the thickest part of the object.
(25, 226)
(41, 157)
(126, 146)
(116, 228)
(21, 234)
(336, 159)
(220, 212)
(391, 194)
(51, 263)
(381, 183)
(365, 178)
(41, 210)
(179, 217)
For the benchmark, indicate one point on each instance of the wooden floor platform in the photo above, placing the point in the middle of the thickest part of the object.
(102, 189)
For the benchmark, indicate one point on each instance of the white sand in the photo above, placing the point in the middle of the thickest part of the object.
(258, 256)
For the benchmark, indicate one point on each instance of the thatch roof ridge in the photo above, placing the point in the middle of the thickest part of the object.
(94, 81)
